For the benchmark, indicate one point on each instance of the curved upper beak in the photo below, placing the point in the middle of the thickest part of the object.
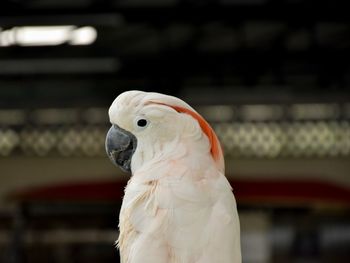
(120, 146)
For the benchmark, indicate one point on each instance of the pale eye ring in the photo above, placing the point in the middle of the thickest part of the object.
(141, 123)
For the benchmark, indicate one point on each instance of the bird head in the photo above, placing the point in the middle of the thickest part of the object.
(144, 123)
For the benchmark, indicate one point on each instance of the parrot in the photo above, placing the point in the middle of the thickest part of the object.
(178, 206)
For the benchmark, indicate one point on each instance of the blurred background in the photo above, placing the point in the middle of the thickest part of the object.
(272, 77)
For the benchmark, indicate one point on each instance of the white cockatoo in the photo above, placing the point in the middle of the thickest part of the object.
(178, 205)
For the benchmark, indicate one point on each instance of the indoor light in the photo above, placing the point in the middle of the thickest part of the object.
(48, 35)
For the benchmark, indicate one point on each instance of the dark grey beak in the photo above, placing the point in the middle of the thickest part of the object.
(120, 146)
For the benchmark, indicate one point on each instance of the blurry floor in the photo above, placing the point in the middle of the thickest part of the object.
(61, 233)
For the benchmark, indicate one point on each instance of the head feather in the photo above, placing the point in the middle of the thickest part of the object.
(182, 107)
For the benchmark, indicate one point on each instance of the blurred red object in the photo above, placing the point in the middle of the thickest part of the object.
(286, 192)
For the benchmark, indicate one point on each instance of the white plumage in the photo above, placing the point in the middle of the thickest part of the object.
(178, 205)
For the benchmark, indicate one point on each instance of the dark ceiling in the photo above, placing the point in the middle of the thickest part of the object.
(251, 51)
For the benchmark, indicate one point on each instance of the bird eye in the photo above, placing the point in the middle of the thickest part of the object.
(141, 123)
